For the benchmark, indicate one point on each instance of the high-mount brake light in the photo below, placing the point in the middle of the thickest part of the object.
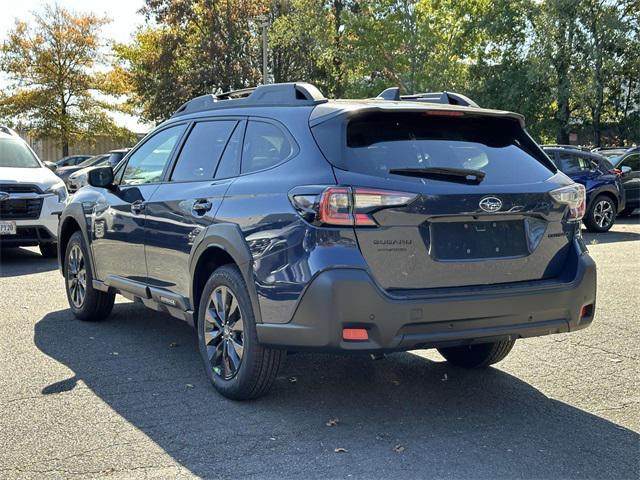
(354, 206)
(574, 196)
(443, 113)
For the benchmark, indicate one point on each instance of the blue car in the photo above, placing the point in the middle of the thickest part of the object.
(605, 192)
(274, 219)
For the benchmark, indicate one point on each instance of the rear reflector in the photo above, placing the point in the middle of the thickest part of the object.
(355, 334)
(586, 311)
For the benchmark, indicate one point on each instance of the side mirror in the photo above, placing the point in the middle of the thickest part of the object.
(625, 170)
(51, 166)
(101, 177)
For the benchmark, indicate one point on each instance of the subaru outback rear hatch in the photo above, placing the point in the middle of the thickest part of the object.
(445, 197)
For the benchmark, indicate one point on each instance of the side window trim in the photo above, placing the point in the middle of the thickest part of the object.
(166, 178)
(125, 161)
(242, 125)
(295, 148)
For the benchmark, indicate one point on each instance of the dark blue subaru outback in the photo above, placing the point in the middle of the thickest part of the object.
(273, 219)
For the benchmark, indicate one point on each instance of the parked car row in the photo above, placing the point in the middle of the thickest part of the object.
(33, 193)
(32, 197)
(273, 219)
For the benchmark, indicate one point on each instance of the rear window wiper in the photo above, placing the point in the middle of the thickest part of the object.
(457, 175)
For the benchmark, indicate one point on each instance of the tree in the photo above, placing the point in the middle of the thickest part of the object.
(52, 69)
(194, 47)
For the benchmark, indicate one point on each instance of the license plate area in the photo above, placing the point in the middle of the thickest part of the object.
(7, 228)
(475, 240)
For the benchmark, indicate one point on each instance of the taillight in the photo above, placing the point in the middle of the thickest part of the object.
(574, 196)
(350, 205)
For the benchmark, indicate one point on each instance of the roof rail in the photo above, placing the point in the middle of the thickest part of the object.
(569, 147)
(277, 94)
(447, 98)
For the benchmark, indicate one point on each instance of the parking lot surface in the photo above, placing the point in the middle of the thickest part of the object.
(127, 398)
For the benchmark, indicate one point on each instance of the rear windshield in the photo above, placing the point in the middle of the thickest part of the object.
(16, 154)
(375, 142)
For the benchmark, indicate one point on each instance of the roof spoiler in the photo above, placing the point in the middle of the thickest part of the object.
(446, 98)
(277, 94)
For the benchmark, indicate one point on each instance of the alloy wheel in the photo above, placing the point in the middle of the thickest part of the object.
(76, 276)
(224, 333)
(603, 213)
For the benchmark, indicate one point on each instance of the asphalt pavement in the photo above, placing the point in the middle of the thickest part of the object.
(128, 398)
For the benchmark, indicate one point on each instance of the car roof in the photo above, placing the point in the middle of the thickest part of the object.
(299, 94)
(332, 108)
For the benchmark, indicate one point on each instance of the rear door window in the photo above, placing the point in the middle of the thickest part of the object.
(376, 142)
(202, 150)
(571, 163)
(265, 145)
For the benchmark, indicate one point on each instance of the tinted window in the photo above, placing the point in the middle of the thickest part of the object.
(570, 163)
(16, 154)
(230, 163)
(376, 142)
(202, 150)
(632, 161)
(147, 163)
(265, 145)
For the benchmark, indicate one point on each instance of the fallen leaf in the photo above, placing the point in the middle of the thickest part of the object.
(115, 353)
(173, 344)
(272, 438)
(332, 422)
(398, 448)
(293, 379)
(340, 450)
(395, 382)
(189, 385)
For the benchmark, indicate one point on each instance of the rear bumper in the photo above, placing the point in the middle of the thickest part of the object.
(348, 298)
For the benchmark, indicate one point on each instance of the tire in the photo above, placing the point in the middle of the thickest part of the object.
(48, 250)
(95, 305)
(479, 355)
(236, 364)
(601, 214)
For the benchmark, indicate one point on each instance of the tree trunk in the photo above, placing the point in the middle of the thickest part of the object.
(563, 62)
(65, 148)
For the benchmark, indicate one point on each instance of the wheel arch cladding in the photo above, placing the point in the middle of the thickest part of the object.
(219, 245)
(607, 193)
(72, 222)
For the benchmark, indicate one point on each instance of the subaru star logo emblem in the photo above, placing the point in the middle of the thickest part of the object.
(490, 204)
(3, 196)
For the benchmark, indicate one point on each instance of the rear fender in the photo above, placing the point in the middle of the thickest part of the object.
(229, 238)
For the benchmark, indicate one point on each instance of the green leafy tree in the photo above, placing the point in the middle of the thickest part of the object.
(193, 47)
(54, 82)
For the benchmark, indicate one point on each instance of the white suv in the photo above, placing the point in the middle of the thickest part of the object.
(31, 197)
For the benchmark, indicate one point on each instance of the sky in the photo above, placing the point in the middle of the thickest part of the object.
(123, 13)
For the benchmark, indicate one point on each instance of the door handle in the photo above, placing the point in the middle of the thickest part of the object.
(137, 207)
(200, 207)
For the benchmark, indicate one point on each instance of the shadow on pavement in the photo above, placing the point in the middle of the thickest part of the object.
(15, 262)
(481, 424)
